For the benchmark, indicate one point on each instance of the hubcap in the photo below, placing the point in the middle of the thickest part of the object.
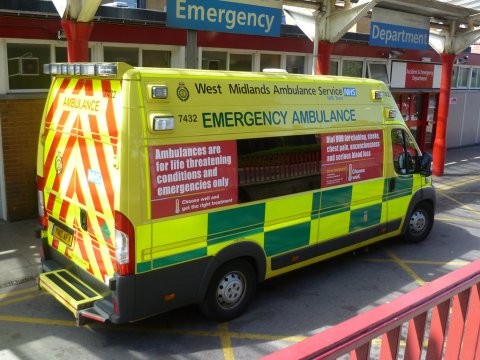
(418, 221)
(231, 290)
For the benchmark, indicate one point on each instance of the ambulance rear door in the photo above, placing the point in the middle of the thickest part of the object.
(82, 173)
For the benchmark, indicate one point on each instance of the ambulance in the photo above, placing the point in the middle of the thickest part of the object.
(159, 188)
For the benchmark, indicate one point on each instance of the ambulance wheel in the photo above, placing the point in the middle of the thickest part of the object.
(420, 223)
(230, 291)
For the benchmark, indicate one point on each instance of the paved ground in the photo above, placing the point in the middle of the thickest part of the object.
(286, 310)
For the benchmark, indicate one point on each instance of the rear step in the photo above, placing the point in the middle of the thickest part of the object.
(74, 294)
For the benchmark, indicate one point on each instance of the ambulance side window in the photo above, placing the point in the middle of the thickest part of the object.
(276, 166)
(405, 155)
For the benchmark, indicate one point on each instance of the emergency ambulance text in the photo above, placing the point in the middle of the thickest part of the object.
(270, 118)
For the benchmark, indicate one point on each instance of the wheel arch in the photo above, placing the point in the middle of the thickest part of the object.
(248, 250)
(422, 195)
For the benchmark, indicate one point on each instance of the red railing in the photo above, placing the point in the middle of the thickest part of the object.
(443, 323)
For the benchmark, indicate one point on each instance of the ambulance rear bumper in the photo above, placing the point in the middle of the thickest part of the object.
(86, 297)
(73, 293)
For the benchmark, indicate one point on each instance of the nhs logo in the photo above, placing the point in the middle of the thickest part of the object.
(349, 92)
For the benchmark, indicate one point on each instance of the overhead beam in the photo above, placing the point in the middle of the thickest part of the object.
(342, 20)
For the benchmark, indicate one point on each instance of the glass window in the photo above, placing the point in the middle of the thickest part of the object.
(296, 64)
(269, 61)
(25, 66)
(214, 60)
(276, 166)
(61, 54)
(417, 107)
(241, 62)
(475, 81)
(405, 155)
(352, 68)
(127, 55)
(334, 64)
(378, 71)
(454, 76)
(462, 77)
(156, 58)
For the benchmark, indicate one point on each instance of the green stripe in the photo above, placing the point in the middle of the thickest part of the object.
(316, 205)
(336, 201)
(234, 223)
(144, 266)
(178, 258)
(403, 187)
(286, 239)
(365, 217)
(235, 234)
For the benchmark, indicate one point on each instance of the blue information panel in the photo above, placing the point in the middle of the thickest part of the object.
(397, 36)
(225, 16)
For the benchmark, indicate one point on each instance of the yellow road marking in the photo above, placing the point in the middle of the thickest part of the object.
(424, 262)
(465, 192)
(404, 266)
(456, 183)
(226, 342)
(456, 219)
(143, 329)
(27, 297)
(18, 292)
(38, 321)
(460, 203)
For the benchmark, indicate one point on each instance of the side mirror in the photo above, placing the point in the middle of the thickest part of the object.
(426, 164)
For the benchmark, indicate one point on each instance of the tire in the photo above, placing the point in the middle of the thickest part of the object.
(230, 291)
(419, 224)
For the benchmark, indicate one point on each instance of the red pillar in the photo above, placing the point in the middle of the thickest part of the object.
(323, 59)
(439, 146)
(77, 34)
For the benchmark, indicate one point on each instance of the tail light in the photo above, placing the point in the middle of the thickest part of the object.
(124, 245)
(42, 218)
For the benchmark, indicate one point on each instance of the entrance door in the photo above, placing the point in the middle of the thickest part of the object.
(431, 119)
(415, 109)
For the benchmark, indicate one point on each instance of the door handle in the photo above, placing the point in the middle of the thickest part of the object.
(83, 219)
(391, 185)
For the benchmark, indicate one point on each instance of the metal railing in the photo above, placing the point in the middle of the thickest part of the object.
(443, 319)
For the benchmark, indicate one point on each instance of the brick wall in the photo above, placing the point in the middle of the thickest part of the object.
(20, 120)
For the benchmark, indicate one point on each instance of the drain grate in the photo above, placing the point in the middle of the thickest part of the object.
(18, 281)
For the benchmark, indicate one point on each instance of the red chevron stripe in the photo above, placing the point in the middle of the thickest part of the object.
(78, 230)
(53, 107)
(52, 151)
(66, 202)
(98, 256)
(86, 164)
(81, 246)
(78, 86)
(89, 87)
(69, 150)
(110, 112)
(50, 203)
(101, 158)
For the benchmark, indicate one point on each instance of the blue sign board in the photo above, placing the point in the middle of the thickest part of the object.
(406, 31)
(226, 16)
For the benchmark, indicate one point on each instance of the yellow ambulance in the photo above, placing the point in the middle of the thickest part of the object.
(159, 188)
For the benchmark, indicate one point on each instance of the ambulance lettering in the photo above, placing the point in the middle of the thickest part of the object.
(87, 104)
